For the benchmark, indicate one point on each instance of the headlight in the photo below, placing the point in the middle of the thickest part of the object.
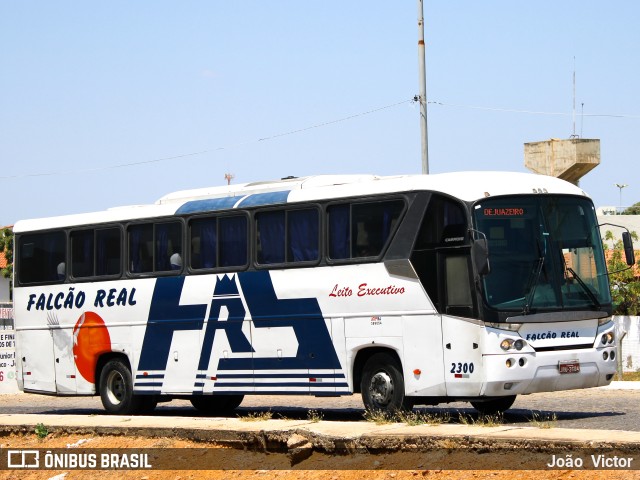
(509, 344)
(608, 338)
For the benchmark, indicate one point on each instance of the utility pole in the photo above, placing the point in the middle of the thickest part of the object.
(422, 73)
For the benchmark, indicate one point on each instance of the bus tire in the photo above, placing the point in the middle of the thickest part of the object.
(216, 404)
(382, 384)
(495, 405)
(116, 389)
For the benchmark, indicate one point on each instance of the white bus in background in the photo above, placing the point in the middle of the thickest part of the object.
(411, 290)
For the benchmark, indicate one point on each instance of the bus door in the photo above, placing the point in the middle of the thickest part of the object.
(461, 334)
(441, 259)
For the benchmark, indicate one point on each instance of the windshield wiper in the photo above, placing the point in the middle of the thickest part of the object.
(532, 284)
(587, 290)
(534, 278)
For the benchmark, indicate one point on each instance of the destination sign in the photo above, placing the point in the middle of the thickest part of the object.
(503, 212)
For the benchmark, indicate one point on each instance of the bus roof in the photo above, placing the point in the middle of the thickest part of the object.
(467, 186)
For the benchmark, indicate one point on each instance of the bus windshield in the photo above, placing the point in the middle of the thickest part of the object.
(545, 254)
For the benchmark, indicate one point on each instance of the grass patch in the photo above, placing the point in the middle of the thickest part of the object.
(410, 417)
(482, 421)
(378, 417)
(257, 416)
(314, 416)
(629, 377)
(413, 418)
(543, 421)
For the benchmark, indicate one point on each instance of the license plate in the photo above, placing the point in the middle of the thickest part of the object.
(569, 367)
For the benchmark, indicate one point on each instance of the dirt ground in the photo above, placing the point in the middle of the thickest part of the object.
(273, 467)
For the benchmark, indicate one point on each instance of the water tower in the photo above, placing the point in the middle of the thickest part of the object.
(569, 159)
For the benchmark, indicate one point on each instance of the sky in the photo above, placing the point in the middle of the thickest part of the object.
(104, 104)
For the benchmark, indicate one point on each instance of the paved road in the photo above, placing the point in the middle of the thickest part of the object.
(606, 409)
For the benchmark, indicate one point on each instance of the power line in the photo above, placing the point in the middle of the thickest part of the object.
(530, 112)
(305, 129)
(202, 152)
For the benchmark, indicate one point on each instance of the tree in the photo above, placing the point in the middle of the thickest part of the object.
(625, 288)
(6, 247)
(632, 210)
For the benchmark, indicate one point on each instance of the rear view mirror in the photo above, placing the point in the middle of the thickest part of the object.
(628, 248)
(480, 255)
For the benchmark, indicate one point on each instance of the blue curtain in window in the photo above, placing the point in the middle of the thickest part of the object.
(233, 241)
(87, 254)
(271, 235)
(54, 249)
(387, 217)
(208, 243)
(102, 237)
(391, 211)
(162, 247)
(339, 232)
(135, 236)
(303, 235)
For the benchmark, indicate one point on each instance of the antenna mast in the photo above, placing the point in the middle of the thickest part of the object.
(574, 98)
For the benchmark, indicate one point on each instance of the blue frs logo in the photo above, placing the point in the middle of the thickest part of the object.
(315, 348)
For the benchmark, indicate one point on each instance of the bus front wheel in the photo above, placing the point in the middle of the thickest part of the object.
(382, 384)
(116, 389)
(495, 405)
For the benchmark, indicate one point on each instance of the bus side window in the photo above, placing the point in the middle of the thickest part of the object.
(444, 225)
(168, 243)
(362, 229)
(82, 253)
(270, 237)
(233, 234)
(458, 286)
(40, 256)
(140, 248)
(203, 233)
(108, 252)
(303, 227)
(152, 246)
(372, 224)
(339, 232)
(95, 252)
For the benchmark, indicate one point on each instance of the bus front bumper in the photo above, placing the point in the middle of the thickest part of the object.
(522, 373)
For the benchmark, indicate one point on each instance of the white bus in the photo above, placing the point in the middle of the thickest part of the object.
(411, 290)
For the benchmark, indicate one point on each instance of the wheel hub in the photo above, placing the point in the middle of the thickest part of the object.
(115, 388)
(381, 388)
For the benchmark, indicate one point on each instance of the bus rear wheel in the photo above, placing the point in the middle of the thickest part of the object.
(116, 389)
(216, 404)
(382, 384)
(495, 405)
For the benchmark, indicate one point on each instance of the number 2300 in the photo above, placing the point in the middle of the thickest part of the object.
(462, 367)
